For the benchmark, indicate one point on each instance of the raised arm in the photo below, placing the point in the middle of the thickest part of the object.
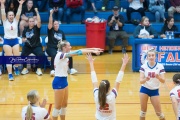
(38, 18)
(97, 51)
(50, 24)
(18, 14)
(93, 73)
(174, 105)
(3, 13)
(120, 75)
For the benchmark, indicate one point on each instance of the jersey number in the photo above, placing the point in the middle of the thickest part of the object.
(151, 74)
(105, 108)
(32, 118)
(178, 93)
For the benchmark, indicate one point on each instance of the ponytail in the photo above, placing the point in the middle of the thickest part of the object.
(103, 90)
(29, 112)
(61, 44)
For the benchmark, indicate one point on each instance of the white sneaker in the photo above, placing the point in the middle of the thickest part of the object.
(39, 72)
(52, 73)
(73, 71)
(24, 71)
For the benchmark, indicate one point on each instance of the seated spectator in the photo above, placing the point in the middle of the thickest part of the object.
(31, 37)
(116, 23)
(105, 3)
(175, 7)
(145, 30)
(35, 110)
(12, 5)
(54, 36)
(27, 12)
(157, 7)
(58, 7)
(168, 26)
(135, 6)
(74, 7)
(91, 2)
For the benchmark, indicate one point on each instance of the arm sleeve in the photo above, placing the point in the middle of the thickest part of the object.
(24, 33)
(153, 32)
(114, 91)
(121, 19)
(136, 32)
(45, 114)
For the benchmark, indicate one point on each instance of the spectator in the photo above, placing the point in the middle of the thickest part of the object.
(58, 7)
(31, 37)
(54, 36)
(168, 26)
(105, 3)
(91, 2)
(116, 23)
(27, 12)
(75, 7)
(157, 7)
(175, 7)
(35, 110)
(135, 6)
(12, 5)
(11, 42)
(145, 30)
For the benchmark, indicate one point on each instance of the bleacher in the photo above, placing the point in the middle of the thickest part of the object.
(76, 32)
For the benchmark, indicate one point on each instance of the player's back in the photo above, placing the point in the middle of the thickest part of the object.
(38, 113)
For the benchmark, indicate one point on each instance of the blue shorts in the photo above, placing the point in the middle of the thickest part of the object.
(59, 82)
(11, 42)
(149, 92)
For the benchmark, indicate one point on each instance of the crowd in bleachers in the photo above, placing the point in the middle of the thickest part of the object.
(63, 10)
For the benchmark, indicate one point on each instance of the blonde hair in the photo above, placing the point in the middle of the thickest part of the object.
(61, 44)
(152, 50)
(32, 97)
(143, 18)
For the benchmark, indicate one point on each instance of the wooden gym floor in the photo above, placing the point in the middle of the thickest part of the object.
(81, 103)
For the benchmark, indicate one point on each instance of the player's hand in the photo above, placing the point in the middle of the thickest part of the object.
(36, 10)
(125, 59)
(21, 1)
(43, 104)
(51, 11)
(147, 78)
(89, 57)
(2, 1)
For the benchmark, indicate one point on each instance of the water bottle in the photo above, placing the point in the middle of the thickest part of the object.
(167, 34)
(172, 34)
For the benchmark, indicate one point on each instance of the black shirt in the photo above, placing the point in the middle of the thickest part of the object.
(121, 19)
(165, 28)
(54, 37)
(32, 36)
(28, 13)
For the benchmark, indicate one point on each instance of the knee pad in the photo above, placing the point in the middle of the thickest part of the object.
(62, 111)
(160, 115)
(55, 112)
(142, 114)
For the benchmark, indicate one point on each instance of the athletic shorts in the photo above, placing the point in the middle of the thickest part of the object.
(59, 82)
(149, 92)
(11, 42)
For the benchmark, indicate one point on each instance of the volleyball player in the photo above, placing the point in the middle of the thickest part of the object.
(11, 43)
(105, 98)
(151, 75)
(34, 110)
(175, 96)
(60, 84)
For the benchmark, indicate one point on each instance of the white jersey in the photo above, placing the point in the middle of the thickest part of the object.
(109, 112)
(175, 92)
(10, 29)
(38, 113)
(153, 83)
(136, 4)
(61, 65)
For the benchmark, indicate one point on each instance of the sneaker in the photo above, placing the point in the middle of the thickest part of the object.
(11, 78)
(24, 71)
(52, 73)
(16, 70)
(73, 71)
(39, 72)
(110, 51)
(124, 50)
(103, 8)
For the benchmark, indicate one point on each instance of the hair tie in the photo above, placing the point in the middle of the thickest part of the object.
(178, 80)
(103, 82)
